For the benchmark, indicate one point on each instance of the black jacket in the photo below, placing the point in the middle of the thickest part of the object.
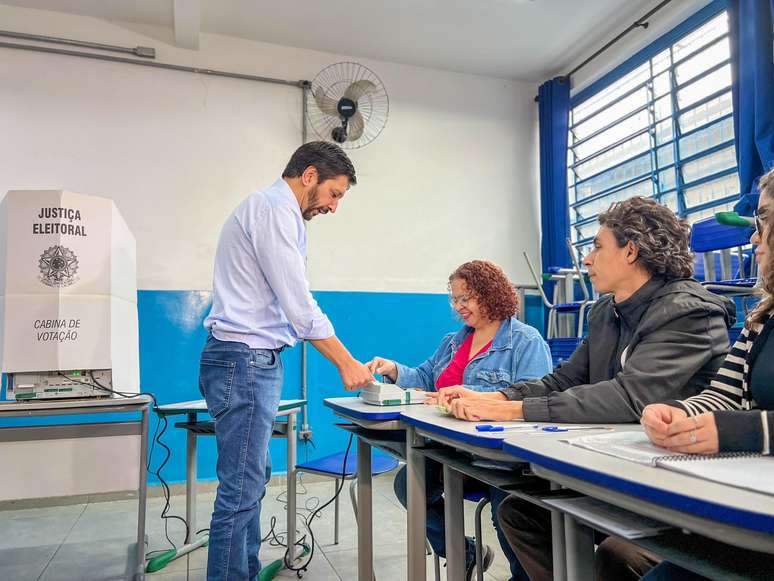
(666, 341)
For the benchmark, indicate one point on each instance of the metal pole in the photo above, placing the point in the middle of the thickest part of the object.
(291, 488)
(143, 51)
(154, 64)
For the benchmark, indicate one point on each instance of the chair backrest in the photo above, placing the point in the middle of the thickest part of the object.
(562, 348)
(708, 235)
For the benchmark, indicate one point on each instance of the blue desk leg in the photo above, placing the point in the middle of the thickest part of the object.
(580, 550)
(190, 481)
(365, 534)
(416, 511)
(291, 487)
(557, 542)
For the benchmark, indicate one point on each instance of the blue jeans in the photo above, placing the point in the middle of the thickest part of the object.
(242, 387)
(436, 529)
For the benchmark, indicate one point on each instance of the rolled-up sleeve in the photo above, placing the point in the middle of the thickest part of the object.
(278, 249)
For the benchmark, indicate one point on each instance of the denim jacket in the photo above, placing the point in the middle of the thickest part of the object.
(517, 353)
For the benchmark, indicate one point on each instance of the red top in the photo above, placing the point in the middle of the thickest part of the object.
(453, 373)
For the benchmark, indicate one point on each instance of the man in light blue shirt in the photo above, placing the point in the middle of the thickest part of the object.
(262, 304)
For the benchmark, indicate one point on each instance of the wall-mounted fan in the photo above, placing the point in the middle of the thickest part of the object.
(349, 105)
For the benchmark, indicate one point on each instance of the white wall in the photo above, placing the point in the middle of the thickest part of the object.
(452, 177)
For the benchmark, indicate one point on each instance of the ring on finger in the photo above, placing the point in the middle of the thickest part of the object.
(693, 436)
(695, 421)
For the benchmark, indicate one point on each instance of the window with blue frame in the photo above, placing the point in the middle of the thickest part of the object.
(664, 130)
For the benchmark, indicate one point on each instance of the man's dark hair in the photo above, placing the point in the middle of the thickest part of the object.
(328, 158)
(660, 236)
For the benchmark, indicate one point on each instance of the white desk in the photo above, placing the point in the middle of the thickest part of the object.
(195, 427)
(53, 407)
(730, 515)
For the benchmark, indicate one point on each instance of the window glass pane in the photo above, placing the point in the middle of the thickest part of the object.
(661, 61)
(662, 84)
(623, 173)
(712, 190)
(616, 133)
(706, 112)
(587, 230)
(703, 60)
(613, 113)
(665, 155)
(663, 108)
(590, 106)
(670, 201)
(614, 156)
(664, 132)
(666, 179)
(704, 87)
(707, 137)
(702, 36)
(709, 164)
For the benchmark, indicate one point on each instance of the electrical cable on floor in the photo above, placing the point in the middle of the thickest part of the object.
(163, 423)
(308, 521)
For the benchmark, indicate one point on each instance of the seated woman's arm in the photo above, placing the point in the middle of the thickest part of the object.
(421, 376)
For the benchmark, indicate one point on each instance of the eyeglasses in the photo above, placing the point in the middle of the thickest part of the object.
(461, 301)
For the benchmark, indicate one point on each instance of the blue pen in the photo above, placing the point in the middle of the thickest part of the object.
(491, 428)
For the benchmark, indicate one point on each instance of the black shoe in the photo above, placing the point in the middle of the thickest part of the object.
(487, 556)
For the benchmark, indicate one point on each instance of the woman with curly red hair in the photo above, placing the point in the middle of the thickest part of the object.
(491, 351)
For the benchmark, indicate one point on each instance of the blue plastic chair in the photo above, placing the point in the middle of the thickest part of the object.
(332, 465)
(714, 241)
(562, 348)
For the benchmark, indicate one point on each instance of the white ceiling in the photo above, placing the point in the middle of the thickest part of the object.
(517, 39)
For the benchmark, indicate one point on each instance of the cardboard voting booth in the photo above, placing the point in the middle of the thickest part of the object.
(68, 302)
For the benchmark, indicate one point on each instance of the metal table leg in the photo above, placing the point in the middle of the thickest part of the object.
(142, 495)
(190, 481)
(580, 550)
(557, 542)
(365, 536)
(454, 515)
(416, 508)
(291, 487)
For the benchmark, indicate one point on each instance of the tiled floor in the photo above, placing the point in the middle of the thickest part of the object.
(90, 541)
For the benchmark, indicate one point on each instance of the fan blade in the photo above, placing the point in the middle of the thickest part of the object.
(358, 89)
(355, 127)
(325, 103)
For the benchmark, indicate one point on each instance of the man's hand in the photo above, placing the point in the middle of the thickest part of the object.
(355, 375)
(384, 367)
(431, 397)
(693, 435)
(657, 418)
(449, 394)
(476, 410)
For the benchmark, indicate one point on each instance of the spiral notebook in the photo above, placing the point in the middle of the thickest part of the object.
(741, 469)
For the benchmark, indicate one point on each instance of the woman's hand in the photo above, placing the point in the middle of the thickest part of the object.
(693, 435)
(657, 418)
(384, 367)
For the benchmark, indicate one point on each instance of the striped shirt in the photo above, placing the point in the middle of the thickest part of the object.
(730, 391)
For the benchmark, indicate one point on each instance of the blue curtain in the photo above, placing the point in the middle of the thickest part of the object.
(753, 94)
(554, 108)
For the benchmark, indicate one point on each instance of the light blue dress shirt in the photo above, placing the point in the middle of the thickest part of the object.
(260, 293)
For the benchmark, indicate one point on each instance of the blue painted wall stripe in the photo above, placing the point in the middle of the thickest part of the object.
(402, 326)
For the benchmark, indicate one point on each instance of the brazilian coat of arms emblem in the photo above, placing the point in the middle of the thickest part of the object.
(58, 267)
